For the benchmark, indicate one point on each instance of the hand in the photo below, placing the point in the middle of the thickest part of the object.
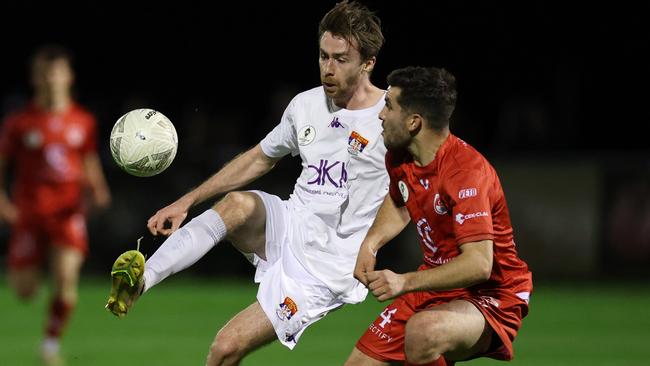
(8, 211)
(385, 284)
(101, 197)
(366, 261)
(174, 213)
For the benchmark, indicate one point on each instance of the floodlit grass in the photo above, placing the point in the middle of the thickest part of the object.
(568, 324)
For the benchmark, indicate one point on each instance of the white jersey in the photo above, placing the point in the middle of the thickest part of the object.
(342, 184)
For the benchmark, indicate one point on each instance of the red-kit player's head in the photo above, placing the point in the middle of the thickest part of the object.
(52, 75)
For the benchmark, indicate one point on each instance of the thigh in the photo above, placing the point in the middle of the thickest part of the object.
(384, 338)
(458, 325)
(27, 247)
(358, 358)
(245, 218)
(249, 330)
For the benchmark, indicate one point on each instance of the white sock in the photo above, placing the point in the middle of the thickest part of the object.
(50, 345)
(184, 247)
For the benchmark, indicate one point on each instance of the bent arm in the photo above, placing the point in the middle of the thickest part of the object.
(389, 222)
(240, 171)
(471, 267)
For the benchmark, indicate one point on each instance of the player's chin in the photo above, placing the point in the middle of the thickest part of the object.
(330, 90)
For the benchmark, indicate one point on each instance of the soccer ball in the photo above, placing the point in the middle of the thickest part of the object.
(143, 142)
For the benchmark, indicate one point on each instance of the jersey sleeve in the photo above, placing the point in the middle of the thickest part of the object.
(469, 192)
(9, 137)
(283, 139)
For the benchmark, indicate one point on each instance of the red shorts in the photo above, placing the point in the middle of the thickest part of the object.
(503, 310)
(31, 237)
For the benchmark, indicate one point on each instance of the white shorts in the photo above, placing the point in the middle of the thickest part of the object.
(291, 297)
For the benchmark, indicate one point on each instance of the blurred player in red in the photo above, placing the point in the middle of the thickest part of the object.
(469, 296)
(52, 145)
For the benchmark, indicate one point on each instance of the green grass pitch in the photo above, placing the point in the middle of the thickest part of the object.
(569, 324)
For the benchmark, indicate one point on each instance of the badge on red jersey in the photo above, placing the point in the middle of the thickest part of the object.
(403, 189)
(439, 206)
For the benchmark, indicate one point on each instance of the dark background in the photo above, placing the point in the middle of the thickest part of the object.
(539, 83)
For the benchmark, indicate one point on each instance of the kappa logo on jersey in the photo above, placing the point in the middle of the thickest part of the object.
(356, 143)
(425, 183)
(403, 189)
(336, 124)
(288, 308)
(306, 135)
(325, 171)
(467, 193)
(461, 218)
(439, 206)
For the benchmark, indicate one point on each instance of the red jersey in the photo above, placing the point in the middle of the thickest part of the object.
(456, 199)
(48, 149)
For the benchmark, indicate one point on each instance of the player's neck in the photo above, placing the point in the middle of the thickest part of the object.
(54, 102)
(365, 96)
(426, 144)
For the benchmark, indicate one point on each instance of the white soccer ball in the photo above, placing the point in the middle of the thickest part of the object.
(143, 142)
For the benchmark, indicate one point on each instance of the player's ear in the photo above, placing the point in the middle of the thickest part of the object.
(415, 122)
(369, 64)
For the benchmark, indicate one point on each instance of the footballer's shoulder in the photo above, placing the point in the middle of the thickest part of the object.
(310, 94)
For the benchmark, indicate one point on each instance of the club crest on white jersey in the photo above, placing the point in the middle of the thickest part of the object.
(306, 135)
(356, 143)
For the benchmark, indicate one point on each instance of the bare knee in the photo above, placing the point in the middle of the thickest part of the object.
(424, 339)
(235, 209)
(245, 218)
(224, 351)
(66, 269)
(69, 295)
(65, 286)
(24, 283)
(25, 293)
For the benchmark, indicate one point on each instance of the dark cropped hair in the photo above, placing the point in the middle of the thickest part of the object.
(51, 52)
(430, 92)
(354, 21)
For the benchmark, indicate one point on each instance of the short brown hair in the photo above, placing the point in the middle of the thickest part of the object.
(354, 21)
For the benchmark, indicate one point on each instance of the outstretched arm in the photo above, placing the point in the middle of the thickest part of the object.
(101, 195)
(389, 222)
(471, 267)
(8, 212)
(242, 170)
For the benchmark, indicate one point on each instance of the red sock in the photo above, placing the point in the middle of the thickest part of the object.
(59, 314)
